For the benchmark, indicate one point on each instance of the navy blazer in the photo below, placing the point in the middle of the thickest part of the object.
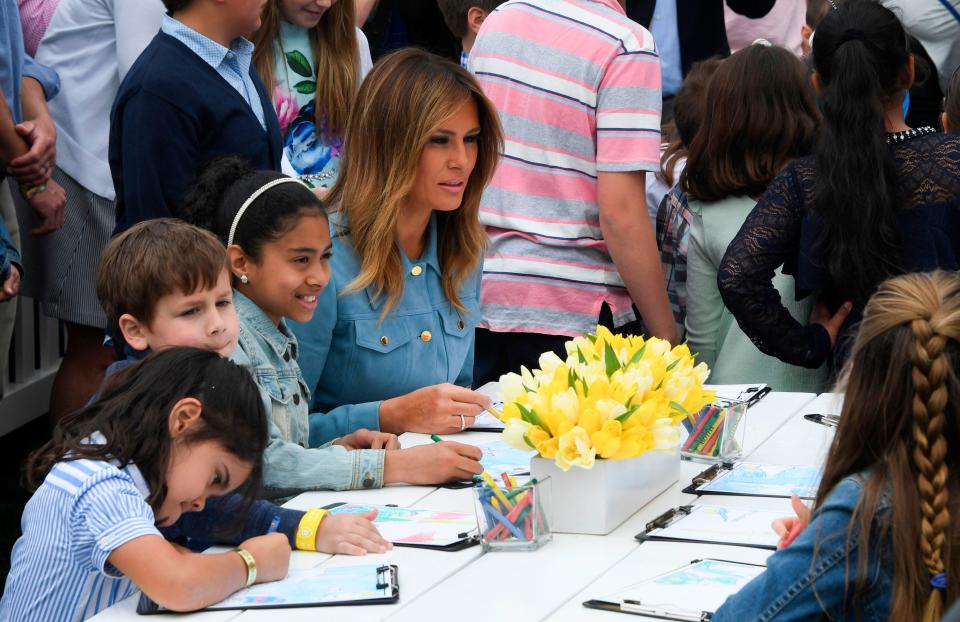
(700, 24)
(172, 116)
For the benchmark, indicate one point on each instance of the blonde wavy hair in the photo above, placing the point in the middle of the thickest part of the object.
(900, 416)
(404, 99)
(333, 43)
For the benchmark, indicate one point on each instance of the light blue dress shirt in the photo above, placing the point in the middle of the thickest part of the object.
(82, 512)
(233, 63)
(663, 27)
(355, 360)
(291, 463)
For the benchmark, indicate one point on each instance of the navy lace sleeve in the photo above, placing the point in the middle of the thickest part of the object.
(768, 239)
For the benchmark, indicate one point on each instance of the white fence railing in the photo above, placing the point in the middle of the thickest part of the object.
(35, 353)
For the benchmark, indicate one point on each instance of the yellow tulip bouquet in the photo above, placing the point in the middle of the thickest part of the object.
(614, 397)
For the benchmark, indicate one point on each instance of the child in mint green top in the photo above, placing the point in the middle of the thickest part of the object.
(312, 59)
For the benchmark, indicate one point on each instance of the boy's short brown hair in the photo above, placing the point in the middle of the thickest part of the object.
(153, 259)
(455, 13)
(816, 11)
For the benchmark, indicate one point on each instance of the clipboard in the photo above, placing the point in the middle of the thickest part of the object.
(321, 586)
(419, 528)
(749, 393)
(628, 602)
(710, 524)
(727, 478)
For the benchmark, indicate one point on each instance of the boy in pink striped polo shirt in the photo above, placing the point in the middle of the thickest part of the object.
(577, 85)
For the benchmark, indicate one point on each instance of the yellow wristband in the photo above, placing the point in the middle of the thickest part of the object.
(307, 529)
(251, 565)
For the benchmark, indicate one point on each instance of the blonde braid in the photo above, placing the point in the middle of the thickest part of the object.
(930, 370)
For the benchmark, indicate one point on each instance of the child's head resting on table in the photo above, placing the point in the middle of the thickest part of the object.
(190, 420)
(276, 233)
(900, 422)
(166, 283)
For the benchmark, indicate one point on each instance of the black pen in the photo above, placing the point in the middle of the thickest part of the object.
(830, 421)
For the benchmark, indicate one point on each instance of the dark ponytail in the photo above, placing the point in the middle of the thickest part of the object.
(860, 53)
(226, 184)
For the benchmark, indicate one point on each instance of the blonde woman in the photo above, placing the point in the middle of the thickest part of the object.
(312, 57)
(392, 337)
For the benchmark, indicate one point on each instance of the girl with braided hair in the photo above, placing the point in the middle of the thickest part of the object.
(893, 462)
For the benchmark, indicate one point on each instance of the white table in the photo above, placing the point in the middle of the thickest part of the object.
(552, 581)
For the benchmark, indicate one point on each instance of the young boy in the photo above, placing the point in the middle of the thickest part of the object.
(464, 18)
(165, 283)
(190, 97)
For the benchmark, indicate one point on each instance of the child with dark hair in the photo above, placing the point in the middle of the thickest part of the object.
(882, 540)
(763, 115)
(464, 18)
(180, 427)
(877, 198)
(278, 238)
(190, 97)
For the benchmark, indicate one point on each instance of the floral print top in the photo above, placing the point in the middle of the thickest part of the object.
(309, 152)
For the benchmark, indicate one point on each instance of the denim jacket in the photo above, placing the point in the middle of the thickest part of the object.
(353, 360)
(799, 585)
(291, 463)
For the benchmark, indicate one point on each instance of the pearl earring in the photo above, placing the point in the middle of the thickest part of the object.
(244, 279)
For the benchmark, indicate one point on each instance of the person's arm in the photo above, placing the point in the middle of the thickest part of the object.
(629, 236)
(38, 129)
(136, 23)
(751, 8)
(217, 523)
(704, 306)
(769, 236)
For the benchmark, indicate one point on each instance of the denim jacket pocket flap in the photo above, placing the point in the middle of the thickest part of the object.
(384, 336)
(269, 381)
(456, 324)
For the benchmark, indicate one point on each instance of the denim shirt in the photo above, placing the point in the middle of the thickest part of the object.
(800, 586)
(354, 360)
(291, 463)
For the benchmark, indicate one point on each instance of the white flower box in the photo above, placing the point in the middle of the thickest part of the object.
(598, 500)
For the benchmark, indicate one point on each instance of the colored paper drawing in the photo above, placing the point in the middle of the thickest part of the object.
(774, 480)
(713, 523)
(698, 587)
(318, 585)
(498, 457)
(415, 526)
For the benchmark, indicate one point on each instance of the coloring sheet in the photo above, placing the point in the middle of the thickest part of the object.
(413, 526)
(716, 523)
(701, 586)
(486, 420)
(318, 585)
(498, 457)
(772, 480)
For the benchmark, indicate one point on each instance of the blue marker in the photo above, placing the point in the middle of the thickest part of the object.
(274, 525)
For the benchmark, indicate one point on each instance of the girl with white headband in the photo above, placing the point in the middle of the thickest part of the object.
(277, 236)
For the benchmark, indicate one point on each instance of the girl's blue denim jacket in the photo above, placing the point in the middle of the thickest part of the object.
(292, 464)
(353, 359)
(811, 577)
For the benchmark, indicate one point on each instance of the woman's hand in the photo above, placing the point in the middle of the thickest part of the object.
(436, 463)
(272, 554)
(832, 323)
(789, 527)
(368, 439)
(350, 534)
(438, 409)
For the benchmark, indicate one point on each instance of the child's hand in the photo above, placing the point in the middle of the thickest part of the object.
(351, 534)
(789, 527)
(272, 554)
(368, 439)
(436, 463)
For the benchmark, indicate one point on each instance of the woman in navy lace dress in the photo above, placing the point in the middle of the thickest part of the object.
(877, 198)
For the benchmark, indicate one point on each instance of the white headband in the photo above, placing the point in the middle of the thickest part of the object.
(253, 197)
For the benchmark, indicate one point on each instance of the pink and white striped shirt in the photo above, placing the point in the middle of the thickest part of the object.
(35, 16)
(577, 86)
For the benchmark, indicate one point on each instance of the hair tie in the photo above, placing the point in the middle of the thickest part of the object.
(939, 581)
(851, 34)
(253, 197)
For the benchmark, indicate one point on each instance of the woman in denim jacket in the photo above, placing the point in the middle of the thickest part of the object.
(882, 540)
(393, 333)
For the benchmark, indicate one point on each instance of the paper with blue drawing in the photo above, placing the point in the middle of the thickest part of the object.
(414, 526)
(720, 525)
(766, 480)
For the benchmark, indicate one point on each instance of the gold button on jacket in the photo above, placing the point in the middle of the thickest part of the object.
(416, 271)
(426, 336)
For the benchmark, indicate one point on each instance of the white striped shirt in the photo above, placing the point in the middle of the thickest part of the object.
(82, 512)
